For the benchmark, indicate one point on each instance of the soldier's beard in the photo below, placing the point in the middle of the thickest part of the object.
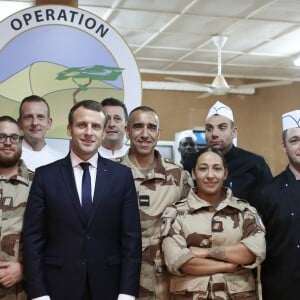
(7, 162)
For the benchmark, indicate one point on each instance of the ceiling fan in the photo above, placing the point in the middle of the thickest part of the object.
(219, 85)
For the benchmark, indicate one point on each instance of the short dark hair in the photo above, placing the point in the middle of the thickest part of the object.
(115, 102)
(142, 108)
(284, 133)
(33, 98)
(208, 149)
(8, 119)
(88, 104)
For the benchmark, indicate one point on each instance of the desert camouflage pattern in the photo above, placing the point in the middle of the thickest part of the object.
(194, 222)
(13, 195)
(162, 186)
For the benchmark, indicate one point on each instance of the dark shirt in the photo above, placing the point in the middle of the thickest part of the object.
(246, 171)
(279, 205)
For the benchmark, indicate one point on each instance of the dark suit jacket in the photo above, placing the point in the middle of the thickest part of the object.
(279, 205)
(61, 251)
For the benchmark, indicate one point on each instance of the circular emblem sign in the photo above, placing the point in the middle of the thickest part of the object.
(64, 55)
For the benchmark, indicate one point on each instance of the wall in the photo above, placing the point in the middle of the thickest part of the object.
(258, 117)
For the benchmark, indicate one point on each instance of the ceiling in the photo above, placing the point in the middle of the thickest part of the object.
(174, 36)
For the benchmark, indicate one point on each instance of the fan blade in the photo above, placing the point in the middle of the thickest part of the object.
(205, 85)
(241, 91)
(264, 84)
(174, 86)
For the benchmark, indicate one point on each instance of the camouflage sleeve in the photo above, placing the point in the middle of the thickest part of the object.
(186, 184)
(254, 235)
(174, 246)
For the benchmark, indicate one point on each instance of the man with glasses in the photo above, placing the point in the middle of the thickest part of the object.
(15, 181)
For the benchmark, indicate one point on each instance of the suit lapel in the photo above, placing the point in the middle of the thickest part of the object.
(69, 180)
(100, 185)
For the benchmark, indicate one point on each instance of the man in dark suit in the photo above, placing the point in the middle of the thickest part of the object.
(74, 251)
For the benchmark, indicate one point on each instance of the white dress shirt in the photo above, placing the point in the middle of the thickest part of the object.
(78, 172)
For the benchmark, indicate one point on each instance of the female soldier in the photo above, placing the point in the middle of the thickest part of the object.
(211, 240)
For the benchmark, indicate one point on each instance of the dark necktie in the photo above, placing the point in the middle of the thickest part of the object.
(86, 194)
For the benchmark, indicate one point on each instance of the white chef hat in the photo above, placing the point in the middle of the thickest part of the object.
(185, 134)
(291, 120)
(220, 109)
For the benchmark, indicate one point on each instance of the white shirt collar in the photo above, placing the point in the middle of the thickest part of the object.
(27, 146)
(107, 153)
(76, 160)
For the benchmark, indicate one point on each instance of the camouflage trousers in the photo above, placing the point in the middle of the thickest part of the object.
(215, 291)
(153, 286)
(13, 293)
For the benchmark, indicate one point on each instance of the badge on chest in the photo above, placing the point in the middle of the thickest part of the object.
(144, 200)
(217, 226)
(7, 201)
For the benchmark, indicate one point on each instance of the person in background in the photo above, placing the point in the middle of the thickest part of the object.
(211, 240)
(15, 181)
(246, 170)
(35, 121)
(159, 183)
(82, 233)
(185, 144)
(113, 143)
(279, 205)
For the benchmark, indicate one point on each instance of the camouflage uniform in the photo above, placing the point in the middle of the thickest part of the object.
(194, 222)
(13, 194)
(162, 186)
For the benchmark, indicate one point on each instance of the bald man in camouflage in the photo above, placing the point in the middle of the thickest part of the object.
(159, 182)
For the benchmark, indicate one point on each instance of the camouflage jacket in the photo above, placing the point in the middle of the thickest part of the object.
(194, 222)
(161, 187)
(13, 193)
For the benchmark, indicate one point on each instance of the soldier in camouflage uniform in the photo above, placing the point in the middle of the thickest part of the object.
(15, 181)
(159, 183)
(211, 240)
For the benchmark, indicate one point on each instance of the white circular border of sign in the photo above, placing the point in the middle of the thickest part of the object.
(113, 41)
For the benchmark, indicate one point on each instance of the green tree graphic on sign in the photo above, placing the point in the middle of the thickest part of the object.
(97, 72)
